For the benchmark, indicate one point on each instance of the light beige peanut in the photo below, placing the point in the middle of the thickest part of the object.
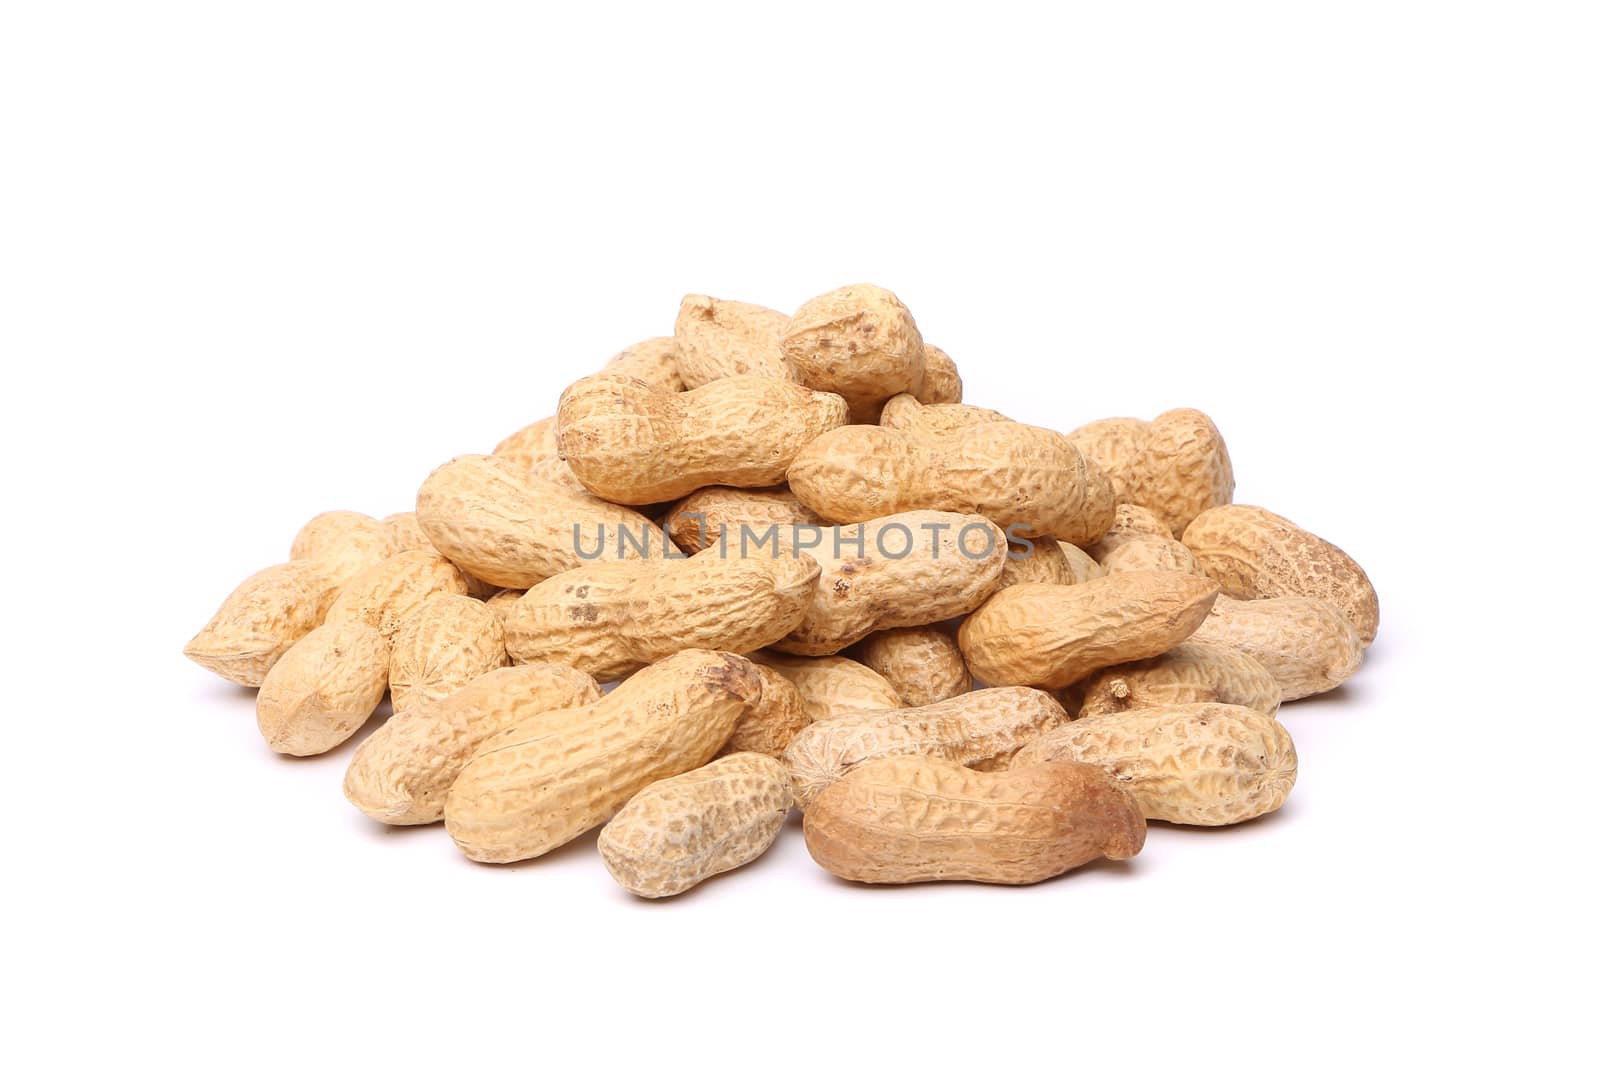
(924, 819)
(923, 663)
(1192, 672)
(907, 413)
(1305, 644)
(718, 338)
(1176, 465)
(774, 722)
(631, 443)
(859, 342)
(540, 783)
(1150, 554)
(655, 361)
(1048, 561)
(696, 522)
(263, 618)
(443, 644)
(502, 600)
(1255, 554)
(678, 832)
(530, 444)
(387, 594)
(1030, 481)
(1203, 764)
(324, 688)
(340, 533)
(941, 380)
(405, 534)
(1051, 635)
(978, 729)
(401, 774)
(902, 570)
(515, 530)
(831, 685)
(609, 619)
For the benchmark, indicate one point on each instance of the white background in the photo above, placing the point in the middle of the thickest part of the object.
(265, 260)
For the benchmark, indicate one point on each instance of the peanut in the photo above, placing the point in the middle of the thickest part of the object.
(529, 445)
(1202, 764)
(1176, 465)
(402, 772)
(907, 413)
(655, 361)
(446, 642)
(1192, 672)
(923, 663)
(538, 784)
(941, 380)
(774, 722)
(630, 443)
(385, 595)
(1130, 523)
(405, 534)
(1255, 554)
(263, 618)
(1053, 635)
(924, 819)
(1305, 644)
(1048, 561)
(678, 832)
(717, 339)
(324, 688)
(831, 685)
(698, 521)
(977, 729)
(1150, 554)
(502, 600)
(343, 533)
(859, 342)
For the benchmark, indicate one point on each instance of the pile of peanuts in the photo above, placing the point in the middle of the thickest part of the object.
(797, 554)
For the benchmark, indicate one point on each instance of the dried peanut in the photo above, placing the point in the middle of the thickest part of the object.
(1150, 554)
(402, 772)
(1202, 764)
(859, 342)
(339, 533)
(941, 380)
(1176, 465)
(405, 534)
(1130, 523)
(324, 688)
(698, 521)
(1048, 561)
(831, 685)
(530, 445)
(442, 645)
(540, 783)
(924, 819)
(263, 618)
(502, 600)
(655, 361)
(718, 338)
(977, 729)
(676, 833)
(923, 663)
(1052, 635)
(775, 722)
(385, 595)
(1192, 672)
(1255, 554)
(907, 413)
(1305, 644)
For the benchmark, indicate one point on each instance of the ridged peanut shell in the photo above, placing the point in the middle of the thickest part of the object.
(530, 444)
(1048, 561)
(718, 338)
(923, 663)
(1148, 554)
(1192, 672)
(923, 819)
(405, 534)
(1176, 465)
(678, 832)
(323, 689)
(344, 533)
(831, 685)
(655, 361)
(1203, 764)
(775, 721)
(1305, 644)
(1130, 523)
(699, 520)
(262, 618)
(860, 342)
(387, 594)
(941, 380)
(907, 413)
(442, 645)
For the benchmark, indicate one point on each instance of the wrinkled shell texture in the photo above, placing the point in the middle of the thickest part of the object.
(1150, 554)
(1014, 474)
(405, 534)
(1255, 554)
(390, 592)
(323, 689)
(1192, 672)
(540, 783)
(339, 532)
(859, 342)
(1051, 635)
(655, 361)
(678, 832)
(715, 513)
(717, 339)
(514, 530)
(1198, 764)
(922, 819)
(1176, 465)
(831, 685)
(941, 380)
(263, 618)
(906, 569)
(530, 445)
(401, 773)
(631, 443)
(1305, 644)
(1130, 523)
(923, 663)
(906, 413)
(775, 722)
(1048, 561)
(612, 618)
(444, 644)
(977, 729)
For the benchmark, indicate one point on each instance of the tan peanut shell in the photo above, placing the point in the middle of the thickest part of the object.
(263, 618)
(655, 361)
(631, 443)
(515, 530)
(1203, 764)
(442, 645)
(1130, 523)
(530, 444)
(1255, 554)
(323, 689)
(718, 338)
(902, 570)
(502, 600)
(1192, 672)
(941, 380)
(612, 618)
(923, 663)
(676, 833)
(859, 342)
(831, 685)
(343, 532)
(1027, 480)
(977, 729)
(405, 534)
(774, 722)
(907, 413)
(540, 783)
(385, 595)
(402, 772)
(1176, 465)
(1050, 635)
(1305, 644)
(1150, 554)
(696, 522)
(924, 819)
(1048, 561)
